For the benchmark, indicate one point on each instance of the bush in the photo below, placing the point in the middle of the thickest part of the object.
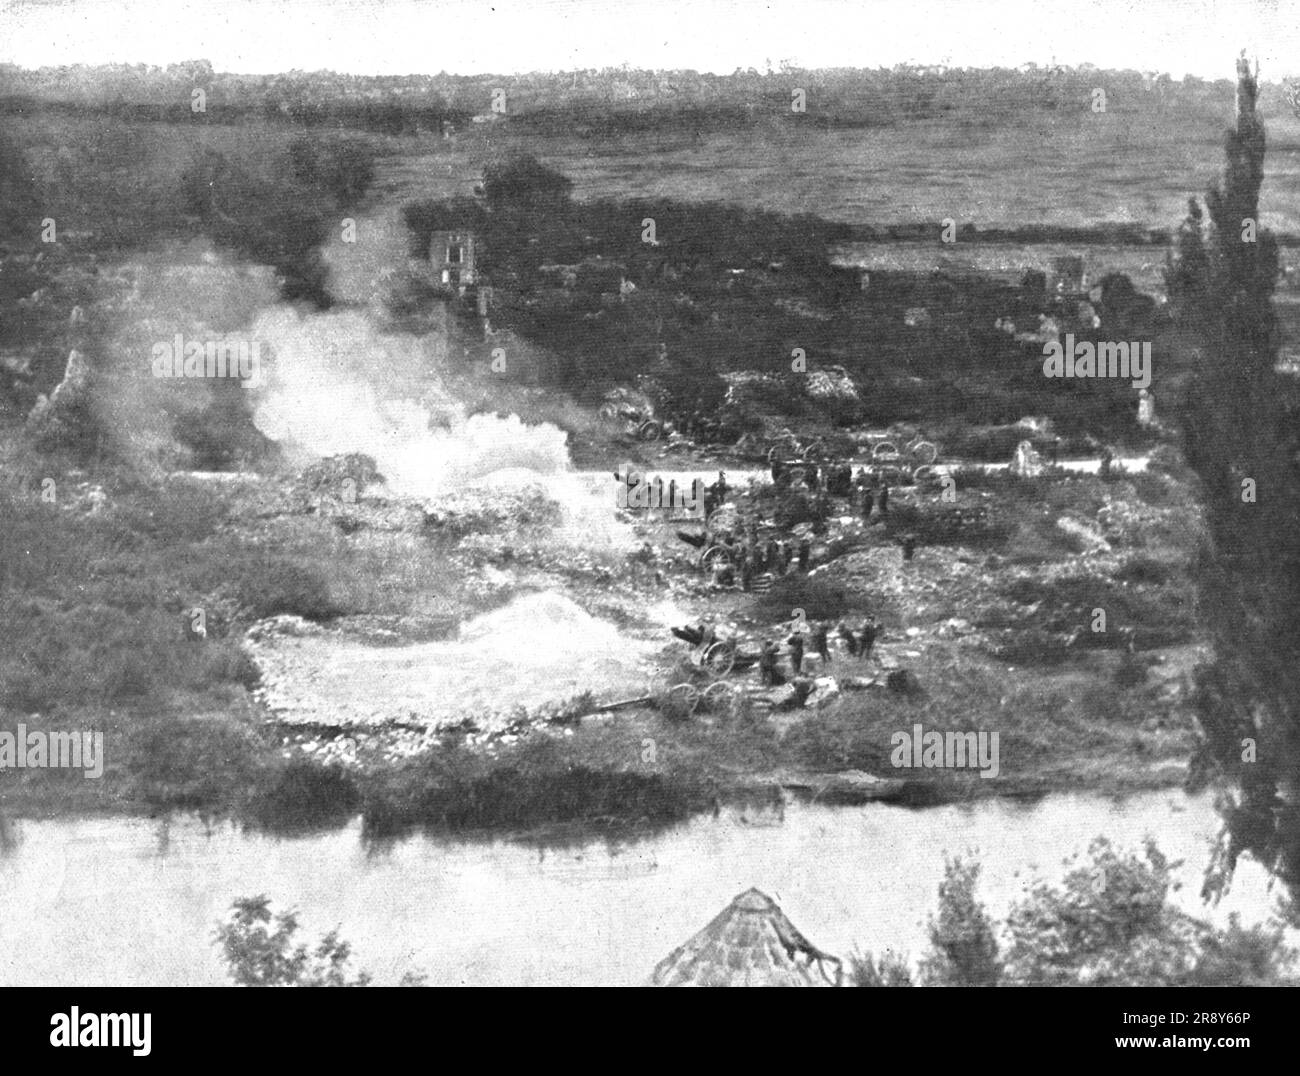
(268, 585)
(304, 796)
(964, 951)
(343, 168)
(259, 949)
(890, 969)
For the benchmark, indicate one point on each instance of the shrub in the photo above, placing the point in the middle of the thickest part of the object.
(267, 584)
(964, 951)
(260, 949)
(304, 796)
(889, 969)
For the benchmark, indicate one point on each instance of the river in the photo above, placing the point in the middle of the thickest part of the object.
(121, 901)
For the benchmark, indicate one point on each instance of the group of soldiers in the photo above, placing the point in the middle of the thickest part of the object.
(751, 558)
(824, 481)
(859, 644)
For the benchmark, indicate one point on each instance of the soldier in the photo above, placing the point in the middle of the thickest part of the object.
(1107, 458)
(820, 643)
(782, 557)
(708, 634)
(767, 669)
(769, 556)
(884, 499)
(805, 551)
(909, 546)
(796, 652)
(724, 574)
(868, 635)
(746, 571)
(850, 640)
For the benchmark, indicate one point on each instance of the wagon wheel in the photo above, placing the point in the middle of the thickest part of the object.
(720, 698)
(884, 449)
(816, 450)
(924, 475)
(650, 430)
(713, 554)
(719, 659)
(923, 452)
(681, 701)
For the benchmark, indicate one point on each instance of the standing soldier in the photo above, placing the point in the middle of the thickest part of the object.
(796, 652)
(1107, 458)
(820, 643)
(767, 669)
(884, 498)
(805, 550)
(909, 546)
(746, 570)
(850, 640)
(869, 632)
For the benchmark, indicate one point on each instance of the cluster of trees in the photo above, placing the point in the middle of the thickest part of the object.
(1108, 923)
(281, 217)
(606, 102)
(261, 948)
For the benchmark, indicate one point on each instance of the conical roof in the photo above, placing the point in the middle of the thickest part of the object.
(749, 943)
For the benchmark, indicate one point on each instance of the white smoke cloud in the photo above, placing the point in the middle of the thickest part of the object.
(335, 384)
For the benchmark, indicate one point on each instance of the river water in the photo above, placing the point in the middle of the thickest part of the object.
(134, 901)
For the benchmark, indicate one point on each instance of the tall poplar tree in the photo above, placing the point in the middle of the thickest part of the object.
(1241, 436)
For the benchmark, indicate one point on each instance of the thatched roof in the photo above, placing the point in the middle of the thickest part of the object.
(750, 943)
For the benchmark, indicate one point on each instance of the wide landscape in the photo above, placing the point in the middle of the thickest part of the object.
(570, 528)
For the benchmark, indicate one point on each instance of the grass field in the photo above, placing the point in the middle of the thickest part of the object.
(1070, 169)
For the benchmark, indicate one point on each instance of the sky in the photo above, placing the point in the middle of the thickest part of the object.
(394, 37)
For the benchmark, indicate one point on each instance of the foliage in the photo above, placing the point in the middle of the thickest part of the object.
(1110, 923)
(260, 948)
(521, 181)
(1239, 425)
(963, 949)
(889, 969)
(342, 167)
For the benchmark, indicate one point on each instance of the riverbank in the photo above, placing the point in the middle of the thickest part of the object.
(191, 722)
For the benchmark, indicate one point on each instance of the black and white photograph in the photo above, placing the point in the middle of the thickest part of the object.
(565, 493)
